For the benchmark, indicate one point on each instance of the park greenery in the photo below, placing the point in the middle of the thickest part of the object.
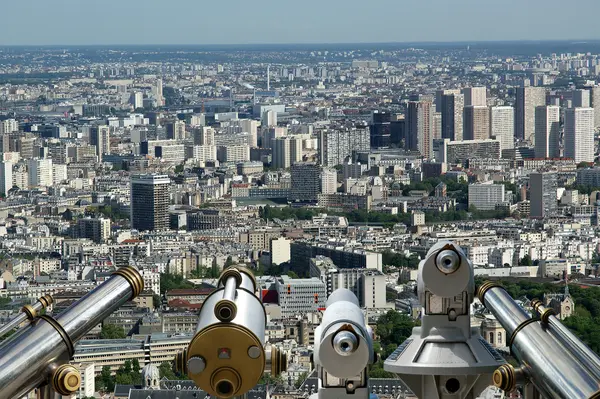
(130, 374)
(112, 331)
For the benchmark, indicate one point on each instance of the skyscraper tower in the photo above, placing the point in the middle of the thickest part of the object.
(542, 192)
(579, 134)
(476, 96)
(418, 125)
(477, 122)
(100, 137)
(527, 99)
(268, 77)
(150, 202)
(502, 126)
(547, 131)
(452, 108)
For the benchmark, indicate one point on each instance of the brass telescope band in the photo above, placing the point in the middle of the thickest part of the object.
(552, 360)
(37, 356)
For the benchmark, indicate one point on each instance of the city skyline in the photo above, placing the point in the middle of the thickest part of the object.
(316, 22)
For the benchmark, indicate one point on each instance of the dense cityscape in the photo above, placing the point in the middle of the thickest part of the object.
(316, 167)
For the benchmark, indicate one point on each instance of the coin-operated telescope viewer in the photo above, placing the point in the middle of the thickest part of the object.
(226, 356)
(445, 358)
(343, 349)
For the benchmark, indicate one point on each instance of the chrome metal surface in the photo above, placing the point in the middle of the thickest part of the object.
(345, 343)
(584, 354)
(447, 261)
(505, 309)
(18, 319)
(230, 289)
(46, 392)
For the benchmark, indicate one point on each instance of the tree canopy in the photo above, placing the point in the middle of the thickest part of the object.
(111, 331)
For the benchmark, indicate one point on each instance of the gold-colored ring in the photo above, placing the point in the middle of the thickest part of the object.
(181, 362)
(535, 304)
(225, 304)
(483, 288)
(504, 378)
(59, 329)
(66, 380)
(248, 272)
(133, 277)
(545, 315)
(231, 272)
(520, 327)
(46, 300)
(30, 312)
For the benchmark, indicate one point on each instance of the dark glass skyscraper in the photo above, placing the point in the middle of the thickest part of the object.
(150, 202)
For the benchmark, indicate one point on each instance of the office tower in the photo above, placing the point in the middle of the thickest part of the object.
(547, 131)
(100, 137)
(486, 196)
(438, 97)
(595, 103)
(579, 134)
(398, 133)
(157, 91)
(336, 146)
(250, 126)
(502, 126)
(204, 135)
(328, 181)
(527, 99)
(436, 125)
(305, 182)
(542, 194)
(96, 229)
(452, 108)
(419, 129)
(269, 118)
(6, 177)
(150, 202)
(176, 130)
(475, 96)
(381, 130)
(581, 99)
(40, 172)
(9, 126)
(476, 123)
(286, 152)
(137, 99)
(233, 153)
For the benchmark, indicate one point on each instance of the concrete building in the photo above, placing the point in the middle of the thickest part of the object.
(581, 99)
(40, 172)
(328, 181)
(502, 126)
(175, 130)
(485, 196)
(448, 151)
(419, 129)
(300, 295)
(547, 131)
(579, 134)
(100, 137)
(286, 151)
(476, 123)
(543, 195)
(233, 153)
(475, 96)
(306, 182)
(452, 108)
(203, 135)
(280, 250)
(150, 202)
(595, 103)
(528, 98)
(6, 177)
(96, 229)
(337, 145)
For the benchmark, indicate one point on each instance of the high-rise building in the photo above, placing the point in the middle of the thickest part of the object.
(527, 99)
(305, 182)
(486, 196)
(581, 98)
(269, 118)
(204, 135)
(502, 126)
(542, 194)
(438, 97)
(595, 103)
(100, 137)
(419, 127)
(233, 153)
(40, 172)
(547, 131)
(6, 177)
(328, 181)
(137, 99)
(176, 130)
(381, 130)
(452, 108)
(286, 151)
(579, 134)
(476, 123)
(475, 96)
(9, 126)
(96, 229)
(150, 202)
(337, 145)
(250, 126)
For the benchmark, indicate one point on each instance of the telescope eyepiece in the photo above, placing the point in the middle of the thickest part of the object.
(345, 343)
(447, 261)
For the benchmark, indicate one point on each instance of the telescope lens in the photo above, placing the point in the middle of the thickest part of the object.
(224, 388)
(345, 343)
(447, 261)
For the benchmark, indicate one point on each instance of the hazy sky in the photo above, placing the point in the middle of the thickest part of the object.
(288, 21)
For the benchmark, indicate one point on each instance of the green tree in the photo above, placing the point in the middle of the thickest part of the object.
(156, 300)
(105, 381)
(526, 261)
(179, 168)
(166, 371)
(292, 274)
(111, 331)
(170, 281)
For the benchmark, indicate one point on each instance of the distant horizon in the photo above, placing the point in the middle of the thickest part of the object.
(387, 43)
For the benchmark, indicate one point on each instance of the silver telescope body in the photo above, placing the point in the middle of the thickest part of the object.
(28, 314)
(552, 359)
(226, 356)
(38, 356)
